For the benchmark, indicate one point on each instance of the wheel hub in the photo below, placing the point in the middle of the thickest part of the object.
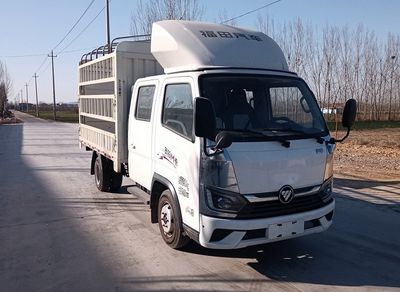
(166, 218)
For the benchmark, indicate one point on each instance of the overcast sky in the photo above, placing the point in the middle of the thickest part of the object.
(31, 28)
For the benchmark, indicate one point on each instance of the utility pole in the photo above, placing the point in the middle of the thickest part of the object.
(37, 102)
(52, 56)
(108, 26)
(22, 100)
(27, 100)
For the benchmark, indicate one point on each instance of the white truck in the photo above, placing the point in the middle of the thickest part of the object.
(229, 146)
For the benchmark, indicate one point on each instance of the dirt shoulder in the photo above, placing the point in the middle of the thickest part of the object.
(369, 154)
(12, 120)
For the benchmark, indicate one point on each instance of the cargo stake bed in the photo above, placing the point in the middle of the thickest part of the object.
(104, 98)
(229, 147)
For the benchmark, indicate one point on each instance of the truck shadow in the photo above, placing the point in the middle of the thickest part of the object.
(362, 248)
(43, 245)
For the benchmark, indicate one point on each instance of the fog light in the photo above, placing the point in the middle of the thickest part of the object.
(223, 203)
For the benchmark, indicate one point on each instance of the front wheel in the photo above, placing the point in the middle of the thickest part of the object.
(169, 222)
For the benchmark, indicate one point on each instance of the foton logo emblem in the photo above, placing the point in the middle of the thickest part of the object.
(286, 194)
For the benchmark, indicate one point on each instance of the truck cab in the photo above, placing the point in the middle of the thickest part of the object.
(229, 145)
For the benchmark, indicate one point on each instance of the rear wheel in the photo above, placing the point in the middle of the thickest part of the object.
(169, 222)
(106, 179)
(102, 175)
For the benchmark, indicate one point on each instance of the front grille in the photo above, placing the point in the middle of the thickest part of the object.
(276, 208)
(275, 194)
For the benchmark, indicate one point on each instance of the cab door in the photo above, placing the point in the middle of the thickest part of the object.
(176, 147)
(141, 133)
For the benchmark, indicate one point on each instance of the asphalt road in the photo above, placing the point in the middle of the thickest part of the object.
(58, 233)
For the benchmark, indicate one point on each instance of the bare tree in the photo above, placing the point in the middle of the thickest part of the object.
(392, 50)
(151, 11)
(225, 18)
(5, 87)
(266, 24)
(341, 63)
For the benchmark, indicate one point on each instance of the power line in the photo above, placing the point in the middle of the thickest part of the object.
(82, 31)
(22, 56)
(252, 11)
(45, 68)
(40, 66)
(76, 23)
(38, 70)
(44, 54)
(65, 52)
(77, 50)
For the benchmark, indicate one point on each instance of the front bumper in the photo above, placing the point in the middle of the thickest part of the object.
(220, 233)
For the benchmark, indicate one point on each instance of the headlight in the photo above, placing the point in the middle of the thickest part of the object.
(224, 201)
(326, 190)
(328, 166)
(330, 148)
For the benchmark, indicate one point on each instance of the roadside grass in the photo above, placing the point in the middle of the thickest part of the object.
(366, 125)
(72, 116)
(68, 116)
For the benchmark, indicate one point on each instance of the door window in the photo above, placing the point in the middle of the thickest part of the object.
(178, 109)
(144, 103)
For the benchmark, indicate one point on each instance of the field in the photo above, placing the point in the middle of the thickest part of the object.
(362, 125)
(69, 116)
(372, 154)
(372, 150)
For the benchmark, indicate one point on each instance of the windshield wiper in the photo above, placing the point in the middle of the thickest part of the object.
(281, 140)
(285, 130)
(245, 131)
(319, 139)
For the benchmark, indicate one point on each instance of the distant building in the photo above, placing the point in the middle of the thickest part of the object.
(72, 104)
(328, 110)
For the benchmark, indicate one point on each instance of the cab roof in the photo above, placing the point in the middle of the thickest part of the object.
(190, 45)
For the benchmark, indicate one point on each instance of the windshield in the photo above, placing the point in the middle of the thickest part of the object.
(263, 106)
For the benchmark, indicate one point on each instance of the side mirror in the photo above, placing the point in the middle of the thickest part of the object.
(204, 118)
(223, 140)
(348, 118)
(349, 113)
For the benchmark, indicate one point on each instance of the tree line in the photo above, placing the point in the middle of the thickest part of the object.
(337, 62)
(341, 63)
(5, 87)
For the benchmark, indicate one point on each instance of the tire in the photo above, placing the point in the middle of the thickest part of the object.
(102, 174)
(169, 221)
(106, 179)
